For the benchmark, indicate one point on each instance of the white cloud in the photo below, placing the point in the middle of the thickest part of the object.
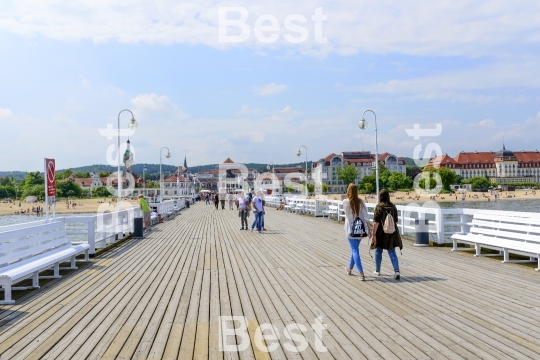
(5, 113)
(156, 105)
(434, 28)
(501, 82)
(270, 89)
(251, 136)
(487, 123)
(84, 82)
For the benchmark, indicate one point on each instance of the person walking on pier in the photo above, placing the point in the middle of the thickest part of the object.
(356, 227)
(222, 196)
(258, 211)
(216, 200)
(385, 233)
(146, 212)
(243, 212)
(230, 198)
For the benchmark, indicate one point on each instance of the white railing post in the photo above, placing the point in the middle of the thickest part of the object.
(402, 221)
(91, 236)
(439, 217)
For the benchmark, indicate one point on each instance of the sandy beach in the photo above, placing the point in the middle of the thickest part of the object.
(401, 197)
(84, 206)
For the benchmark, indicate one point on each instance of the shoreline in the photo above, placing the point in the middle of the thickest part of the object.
(401, 197)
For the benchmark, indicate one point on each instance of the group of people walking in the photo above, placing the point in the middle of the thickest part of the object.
(248, 203)
(383, 236)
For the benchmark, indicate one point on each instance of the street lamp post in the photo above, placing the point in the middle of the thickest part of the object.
(160, 173)
(132, 125)
(298, 154)
(363, 124)
(144, 180)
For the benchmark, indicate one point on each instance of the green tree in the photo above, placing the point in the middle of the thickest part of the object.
(368, 183)
(369, 188)
(101, 191)
(64, 174)
(348, 173)
(448, 177)
(82, 174)
(7, 180)
(478, 182)
(412, 171)
(152, 184)
(324, 188)
(69, 188)
(7, 191)
(104, 173)
(34, 190)
(397, 180)
(432, 183)
(310, 187)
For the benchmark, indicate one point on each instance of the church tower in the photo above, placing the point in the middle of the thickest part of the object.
(128, 160)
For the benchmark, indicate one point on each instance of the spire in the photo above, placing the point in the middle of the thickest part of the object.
(503, 144)
(185, 162)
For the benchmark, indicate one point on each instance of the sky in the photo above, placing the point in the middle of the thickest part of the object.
(67, 68)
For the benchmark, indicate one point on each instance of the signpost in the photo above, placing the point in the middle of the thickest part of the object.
(50, 186)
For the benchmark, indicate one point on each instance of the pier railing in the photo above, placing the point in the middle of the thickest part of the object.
(100, 230)
(442, 223)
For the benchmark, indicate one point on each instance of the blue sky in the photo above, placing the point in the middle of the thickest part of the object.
(68, 68)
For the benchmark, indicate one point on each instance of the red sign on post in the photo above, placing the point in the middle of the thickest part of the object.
(50, 174)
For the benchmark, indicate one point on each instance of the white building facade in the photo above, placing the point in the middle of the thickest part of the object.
(324, 171)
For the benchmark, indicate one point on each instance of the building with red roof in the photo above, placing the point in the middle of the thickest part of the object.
(501, 167)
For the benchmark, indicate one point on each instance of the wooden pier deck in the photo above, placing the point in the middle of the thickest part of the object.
(161, 297)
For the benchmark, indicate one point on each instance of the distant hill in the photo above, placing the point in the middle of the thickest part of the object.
(18, 175)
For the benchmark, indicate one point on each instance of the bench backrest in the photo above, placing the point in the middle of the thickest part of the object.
(23, 243)
(511, 225)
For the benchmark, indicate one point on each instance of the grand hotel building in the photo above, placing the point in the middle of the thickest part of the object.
(501, 167)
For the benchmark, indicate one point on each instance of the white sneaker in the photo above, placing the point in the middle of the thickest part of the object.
(377, 273)
(397, 276)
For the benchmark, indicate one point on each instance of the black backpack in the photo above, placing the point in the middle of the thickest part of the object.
(358, 229)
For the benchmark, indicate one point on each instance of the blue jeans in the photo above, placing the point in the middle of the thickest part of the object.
(258, 221)
(393, 259)
(355, 255)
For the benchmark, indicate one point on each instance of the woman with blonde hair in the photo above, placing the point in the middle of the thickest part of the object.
(356, 227)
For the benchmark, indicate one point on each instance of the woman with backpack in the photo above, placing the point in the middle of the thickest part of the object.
(385, 233)
(356, 227)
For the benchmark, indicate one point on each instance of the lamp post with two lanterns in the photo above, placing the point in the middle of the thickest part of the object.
(160, 172)
(299, 153)
(132, 125)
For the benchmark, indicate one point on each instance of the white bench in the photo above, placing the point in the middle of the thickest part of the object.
(331, 211)
(27, 251)
(511, 232)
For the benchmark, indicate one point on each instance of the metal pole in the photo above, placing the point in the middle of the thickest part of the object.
(46, 195)
(160, 174)
(376, 153)
(305, 147)
(144, 181)
(119, 188)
